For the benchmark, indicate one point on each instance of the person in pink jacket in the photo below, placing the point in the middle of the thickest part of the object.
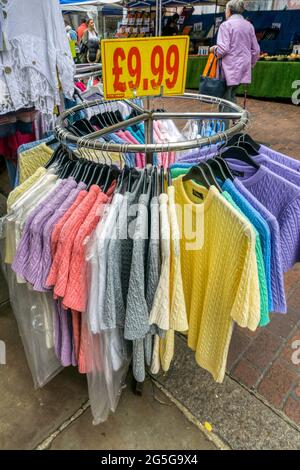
(238, 48)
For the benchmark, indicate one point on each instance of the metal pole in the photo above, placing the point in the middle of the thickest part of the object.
(216, 7)
(160, 17)
(149, 133)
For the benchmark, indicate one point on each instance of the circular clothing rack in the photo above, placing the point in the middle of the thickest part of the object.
(238, 115)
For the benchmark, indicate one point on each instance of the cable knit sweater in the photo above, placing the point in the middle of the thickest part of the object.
(282, 199)
(67, 237)
(137, 315)
(52, 276)
(23, 250)
(36, 230)
(277, 281)
(280, 158)
(153, 270)
(220, 277)
(262, 228)
(178, 315)
(263, 289)
(46, 259)
(119, 258)
(285, 172)
(76, 292)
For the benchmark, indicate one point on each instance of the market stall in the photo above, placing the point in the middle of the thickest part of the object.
(271, 79)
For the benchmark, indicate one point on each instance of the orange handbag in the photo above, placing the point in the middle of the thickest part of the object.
(211, 66)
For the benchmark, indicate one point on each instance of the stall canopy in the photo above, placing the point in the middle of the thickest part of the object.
(79, 3)
(84, 5)
(90, 5)
(174, 3)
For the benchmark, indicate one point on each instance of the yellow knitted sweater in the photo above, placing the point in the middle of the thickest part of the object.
(32, 159)
(178, 316)
(219, 273)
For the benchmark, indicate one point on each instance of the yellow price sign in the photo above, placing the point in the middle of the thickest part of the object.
(144, 66)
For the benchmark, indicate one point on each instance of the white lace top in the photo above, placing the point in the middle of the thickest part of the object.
(38, 58)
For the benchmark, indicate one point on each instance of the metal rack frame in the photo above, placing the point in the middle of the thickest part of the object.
(148, 117)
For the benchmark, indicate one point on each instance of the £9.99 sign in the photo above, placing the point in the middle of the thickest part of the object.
(144, 66)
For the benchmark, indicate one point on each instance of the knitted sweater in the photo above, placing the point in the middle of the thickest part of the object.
(67, 237)
(153, 269)
(52, 276)
(280, 158)
(262, 228)
(119, 258)
(282, 199)
(277, 281)
(220, 278)
(178, 315)
(263, 289)
(285, 172)
(36, 230)
(137, 315)
(46, 258)
(76, 292)
(23, 250)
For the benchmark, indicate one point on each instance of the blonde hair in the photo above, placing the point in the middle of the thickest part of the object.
(236, 7)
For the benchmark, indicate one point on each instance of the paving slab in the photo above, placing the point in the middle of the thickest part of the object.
(238, 417)
(28, 416)
(140, 423)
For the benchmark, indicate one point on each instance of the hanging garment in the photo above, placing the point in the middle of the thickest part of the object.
(263, 289)
(96, 257)
(46, 256)
(36, 64)
(280, 158)
(282, 199)
(137, 315)
(262, 228)
(120, 256)
(277, 281)
(30, 160)
(178, 315)
(219, 272)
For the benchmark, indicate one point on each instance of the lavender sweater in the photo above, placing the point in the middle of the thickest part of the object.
(280, 158)
(282, 199)
(277, 281)
(46, 258)
(22, 252)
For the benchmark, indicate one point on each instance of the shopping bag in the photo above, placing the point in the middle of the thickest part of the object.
(211, 67)
(213, 86)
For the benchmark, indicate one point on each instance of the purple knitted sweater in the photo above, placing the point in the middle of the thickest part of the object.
(280, 158)
(22, 252)
(46, 257)
(285, 172)
(277, 281)
(282, 199)
(36, 229)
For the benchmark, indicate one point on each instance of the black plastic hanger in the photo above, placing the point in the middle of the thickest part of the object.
(145, 176)
(112, 174)
(239, 138)
(209, 175)
(57, 155)
(94, 174)
(216, 168)
(196, 173)
(225, 168)
(238, 153)
(67, 169)
(155, 185)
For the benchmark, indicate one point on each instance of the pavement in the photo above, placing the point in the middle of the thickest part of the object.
(257, 406)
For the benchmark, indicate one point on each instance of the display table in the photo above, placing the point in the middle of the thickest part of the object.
(269, 80)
